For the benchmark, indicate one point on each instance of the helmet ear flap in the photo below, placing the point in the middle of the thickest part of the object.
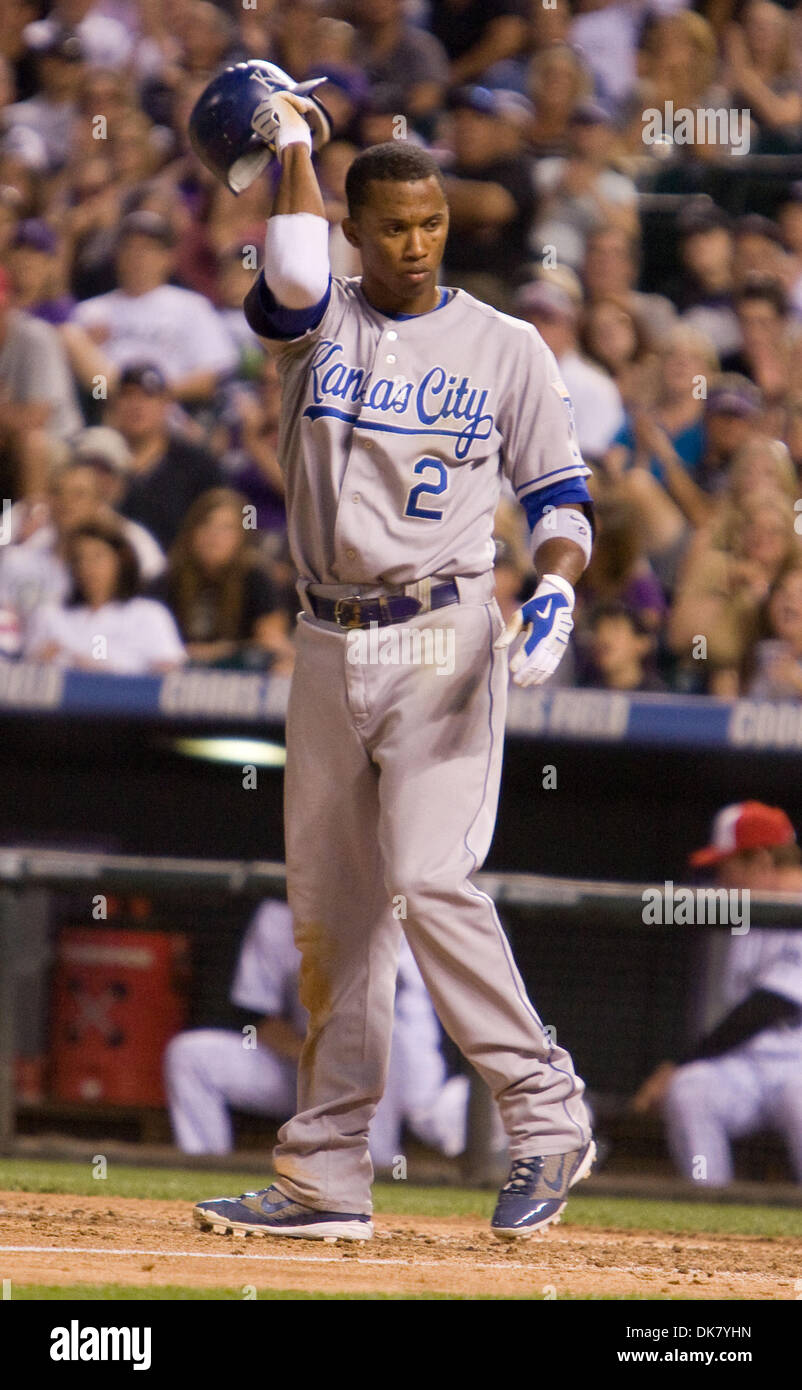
(245, 170)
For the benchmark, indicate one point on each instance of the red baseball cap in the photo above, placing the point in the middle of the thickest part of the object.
(745, 825)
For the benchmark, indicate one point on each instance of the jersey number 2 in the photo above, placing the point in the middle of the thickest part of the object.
(413, 508)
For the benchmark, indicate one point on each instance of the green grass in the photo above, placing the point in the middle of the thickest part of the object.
(403, 1200)
(171, 1293)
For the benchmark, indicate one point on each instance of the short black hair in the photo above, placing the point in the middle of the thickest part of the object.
(394, 161)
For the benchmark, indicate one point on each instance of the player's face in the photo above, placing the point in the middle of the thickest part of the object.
(401, 234)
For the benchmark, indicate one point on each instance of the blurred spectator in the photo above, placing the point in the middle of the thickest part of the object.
(732, 413)
(105, 41)
(594, 395)
(236, 272)
(770, 349)
(792, 431)
(37, 398)
(558, 82)
(34, 570)
(147, 319)
(477, 34)
(677, 65)
(724, 582)
(223, 602)
(606, 32)
(687, 361)
(50, 115)
(247, 442)
(704, 293)
(744, 1074)
(611, 267)
(408, 66)
(617, 339)
(35, 268)
(490, 191)
(621, 651)
(759, 250)
(168, 471)
(105, 451)
(333, 164)
(346, 90)
(674, 501)
(104, 626)
(619, 574)
(789, 223)
(776, 662)
(84, 489)
(582, 190)
(761, 73)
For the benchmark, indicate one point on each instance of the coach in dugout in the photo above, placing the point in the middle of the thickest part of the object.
(745, 1075)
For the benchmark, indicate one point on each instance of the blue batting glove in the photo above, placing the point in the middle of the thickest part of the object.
(548, 622)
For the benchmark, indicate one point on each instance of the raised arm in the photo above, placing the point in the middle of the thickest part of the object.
(295, 281)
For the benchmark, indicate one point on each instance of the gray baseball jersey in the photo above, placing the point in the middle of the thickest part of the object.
(394, 433)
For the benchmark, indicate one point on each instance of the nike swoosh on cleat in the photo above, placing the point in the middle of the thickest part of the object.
(545, 612)
(558, 1185)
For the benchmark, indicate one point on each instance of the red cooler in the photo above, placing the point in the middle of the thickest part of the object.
(118, 998)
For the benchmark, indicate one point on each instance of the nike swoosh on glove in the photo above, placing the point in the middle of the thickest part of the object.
(549, 624)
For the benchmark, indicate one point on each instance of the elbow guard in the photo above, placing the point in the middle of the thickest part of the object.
(297, 258)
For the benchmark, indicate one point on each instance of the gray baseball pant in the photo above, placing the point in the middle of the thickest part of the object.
(391, 791)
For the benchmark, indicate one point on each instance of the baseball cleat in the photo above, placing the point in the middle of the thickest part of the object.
(534, 1195)
(270, 1213)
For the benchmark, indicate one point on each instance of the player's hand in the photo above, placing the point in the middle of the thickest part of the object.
(285, 118)
(547, 618)
(651, 1094)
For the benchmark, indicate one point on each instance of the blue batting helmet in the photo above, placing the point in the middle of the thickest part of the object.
(220, 129)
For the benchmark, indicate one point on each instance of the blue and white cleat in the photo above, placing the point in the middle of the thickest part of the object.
(534, 1195)
(270, 1213)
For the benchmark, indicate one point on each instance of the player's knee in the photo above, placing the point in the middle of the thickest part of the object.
(690, 1087)
(186, 1051)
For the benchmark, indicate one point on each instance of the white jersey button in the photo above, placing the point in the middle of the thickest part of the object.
(368, 443)
(392, 335)
(356, 497)
(390, 357)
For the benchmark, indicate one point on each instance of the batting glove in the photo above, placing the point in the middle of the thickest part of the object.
(548, 621)
(285, 118)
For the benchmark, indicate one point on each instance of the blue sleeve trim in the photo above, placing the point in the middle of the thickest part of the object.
(269, 319)
(559, 495)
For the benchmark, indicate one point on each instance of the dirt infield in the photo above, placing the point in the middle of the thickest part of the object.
(58, 1239)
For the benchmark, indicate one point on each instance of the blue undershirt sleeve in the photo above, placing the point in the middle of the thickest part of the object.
(571, 493)
(269, 319)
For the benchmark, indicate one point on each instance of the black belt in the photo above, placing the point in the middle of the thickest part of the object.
(389, 608)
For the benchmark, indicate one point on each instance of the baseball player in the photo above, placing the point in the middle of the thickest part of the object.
(209, 1069)
(403, 404)
(746, 1073)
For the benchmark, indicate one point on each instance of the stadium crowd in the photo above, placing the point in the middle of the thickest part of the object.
(138, 414)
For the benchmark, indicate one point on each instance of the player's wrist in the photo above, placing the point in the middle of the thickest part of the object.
(551, 583)
(298, 145)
